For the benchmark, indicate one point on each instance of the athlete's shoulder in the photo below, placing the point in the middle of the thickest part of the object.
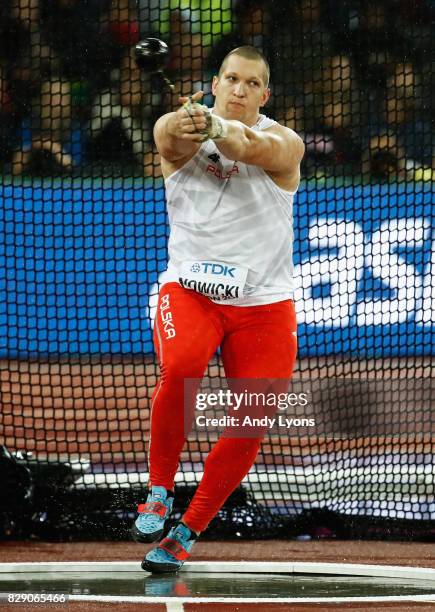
(270, 125)
(264, 122)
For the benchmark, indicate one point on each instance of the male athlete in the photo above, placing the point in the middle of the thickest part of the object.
(230, 175)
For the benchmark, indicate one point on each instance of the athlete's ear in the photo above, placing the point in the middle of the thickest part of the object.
(265, 97)
(214, 84)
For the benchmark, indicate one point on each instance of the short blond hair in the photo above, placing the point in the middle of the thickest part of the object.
(250, 53)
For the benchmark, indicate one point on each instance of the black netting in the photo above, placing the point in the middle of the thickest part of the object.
(84, 238)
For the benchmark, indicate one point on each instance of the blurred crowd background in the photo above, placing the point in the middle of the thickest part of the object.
(355, 78)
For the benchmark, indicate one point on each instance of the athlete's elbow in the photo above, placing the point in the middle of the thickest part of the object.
(299, 149)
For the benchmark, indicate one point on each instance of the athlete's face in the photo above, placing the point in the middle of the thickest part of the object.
(240, 90)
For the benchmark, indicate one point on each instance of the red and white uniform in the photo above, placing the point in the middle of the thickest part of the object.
(227, 215)
(230, 247)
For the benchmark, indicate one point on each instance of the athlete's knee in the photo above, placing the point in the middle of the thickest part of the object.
(178, 368)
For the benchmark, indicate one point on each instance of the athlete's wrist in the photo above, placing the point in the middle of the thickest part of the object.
(216, 127)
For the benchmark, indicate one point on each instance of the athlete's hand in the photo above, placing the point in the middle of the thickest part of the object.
(189, 125)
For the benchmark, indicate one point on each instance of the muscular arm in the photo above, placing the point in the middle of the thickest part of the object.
(170, 145)
(175, 134)
(277, 150)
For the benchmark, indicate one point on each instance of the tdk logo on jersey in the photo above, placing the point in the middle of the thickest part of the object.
(217, 280)
(213, 268)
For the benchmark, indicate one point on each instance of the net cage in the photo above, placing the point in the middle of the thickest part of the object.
(84, 241)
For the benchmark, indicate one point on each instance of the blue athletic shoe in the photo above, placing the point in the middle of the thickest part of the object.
(150, 523)
(172, 551)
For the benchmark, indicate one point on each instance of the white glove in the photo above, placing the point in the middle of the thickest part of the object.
(217, 128)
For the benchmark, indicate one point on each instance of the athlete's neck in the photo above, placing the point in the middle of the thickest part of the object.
(250, 122)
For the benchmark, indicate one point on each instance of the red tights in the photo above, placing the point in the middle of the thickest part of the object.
(255, 341)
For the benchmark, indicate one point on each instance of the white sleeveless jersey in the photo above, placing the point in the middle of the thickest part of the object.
(231, 218)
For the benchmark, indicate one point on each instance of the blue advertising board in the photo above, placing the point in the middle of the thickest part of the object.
(79, 268)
